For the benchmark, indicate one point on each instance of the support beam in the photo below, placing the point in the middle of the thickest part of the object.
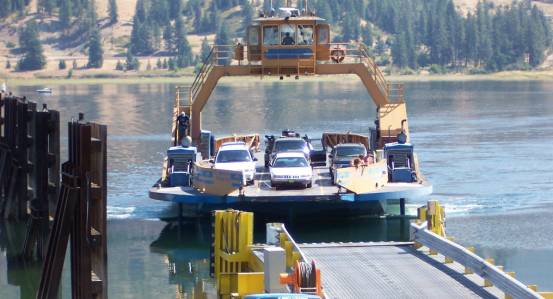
(378, 96)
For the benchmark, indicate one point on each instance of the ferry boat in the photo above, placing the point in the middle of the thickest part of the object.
(288, 43)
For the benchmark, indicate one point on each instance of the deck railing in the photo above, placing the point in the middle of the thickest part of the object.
(431, 234)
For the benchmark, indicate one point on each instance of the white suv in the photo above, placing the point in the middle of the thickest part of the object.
(236, 156)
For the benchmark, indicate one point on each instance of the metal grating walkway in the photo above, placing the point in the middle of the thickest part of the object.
(387, 270)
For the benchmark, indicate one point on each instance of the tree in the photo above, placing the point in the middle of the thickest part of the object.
(33, 58)
(158, 64)
(171, 64)
(112, 11)
(132, 62)
(399, 51)
(175, 7)
(95, 51)
(205, 49)
(119, 66)
(222, 38)
(184, 52)
(65, 14)
(168, 34)
(536, 39)
(324, 11)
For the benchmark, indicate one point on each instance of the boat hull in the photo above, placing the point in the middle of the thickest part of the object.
(295, 202)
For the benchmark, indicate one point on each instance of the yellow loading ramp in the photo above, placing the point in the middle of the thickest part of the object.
(431, 266)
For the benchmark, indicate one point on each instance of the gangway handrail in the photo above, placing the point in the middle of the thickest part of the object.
(463, 256)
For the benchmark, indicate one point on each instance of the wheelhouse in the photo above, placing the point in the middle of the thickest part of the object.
(289, 41)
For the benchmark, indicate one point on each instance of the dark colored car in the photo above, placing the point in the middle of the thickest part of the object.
(342, 155)
(284, 144)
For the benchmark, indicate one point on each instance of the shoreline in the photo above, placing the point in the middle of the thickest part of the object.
(187, 78)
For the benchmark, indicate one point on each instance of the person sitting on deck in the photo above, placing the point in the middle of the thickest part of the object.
(183, 122)
(288, 40)
(359, 161)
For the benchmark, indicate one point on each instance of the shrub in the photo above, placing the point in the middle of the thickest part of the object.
(62, 65)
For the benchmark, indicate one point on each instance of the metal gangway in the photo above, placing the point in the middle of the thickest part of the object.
(430, 265)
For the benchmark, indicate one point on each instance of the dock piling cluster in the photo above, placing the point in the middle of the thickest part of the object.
(57, 203)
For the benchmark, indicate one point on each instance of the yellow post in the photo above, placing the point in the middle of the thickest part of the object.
(436, 218)
(488, 283)
(512, 274)
(546, 295)
(473, 250)
(421, 217)
(449, 260)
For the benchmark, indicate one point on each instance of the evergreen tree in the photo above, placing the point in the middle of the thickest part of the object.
(33, 57)
(222, 38)
(324, 11)
(171, 64)
(165, 63)
(367, 35)
(184, 52)
(119, 66)
(399, 51)
(168, 36)
(175, 8)
(536, 38)
(65, 14)
(158, 64)
(205, 50)
(112, 11)
(132, 62)
(95, 51)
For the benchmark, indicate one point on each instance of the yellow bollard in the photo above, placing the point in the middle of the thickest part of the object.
(512, 274)
(449, 260)
(473, 250)
(488, 283)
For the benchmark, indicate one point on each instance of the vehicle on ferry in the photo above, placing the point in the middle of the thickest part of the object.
(291, 169)
(342, 156)
(236, 156)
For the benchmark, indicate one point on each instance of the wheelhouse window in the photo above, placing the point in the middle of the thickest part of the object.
(270, 35)
(253, 36)
(305, 35)
(323, 35)
(288, 34)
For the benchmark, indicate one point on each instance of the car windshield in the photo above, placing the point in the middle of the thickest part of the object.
(290, 146)
(350, 151)
(290, 162)
(233, 156)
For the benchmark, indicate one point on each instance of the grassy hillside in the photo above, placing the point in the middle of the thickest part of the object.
(115, 38)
